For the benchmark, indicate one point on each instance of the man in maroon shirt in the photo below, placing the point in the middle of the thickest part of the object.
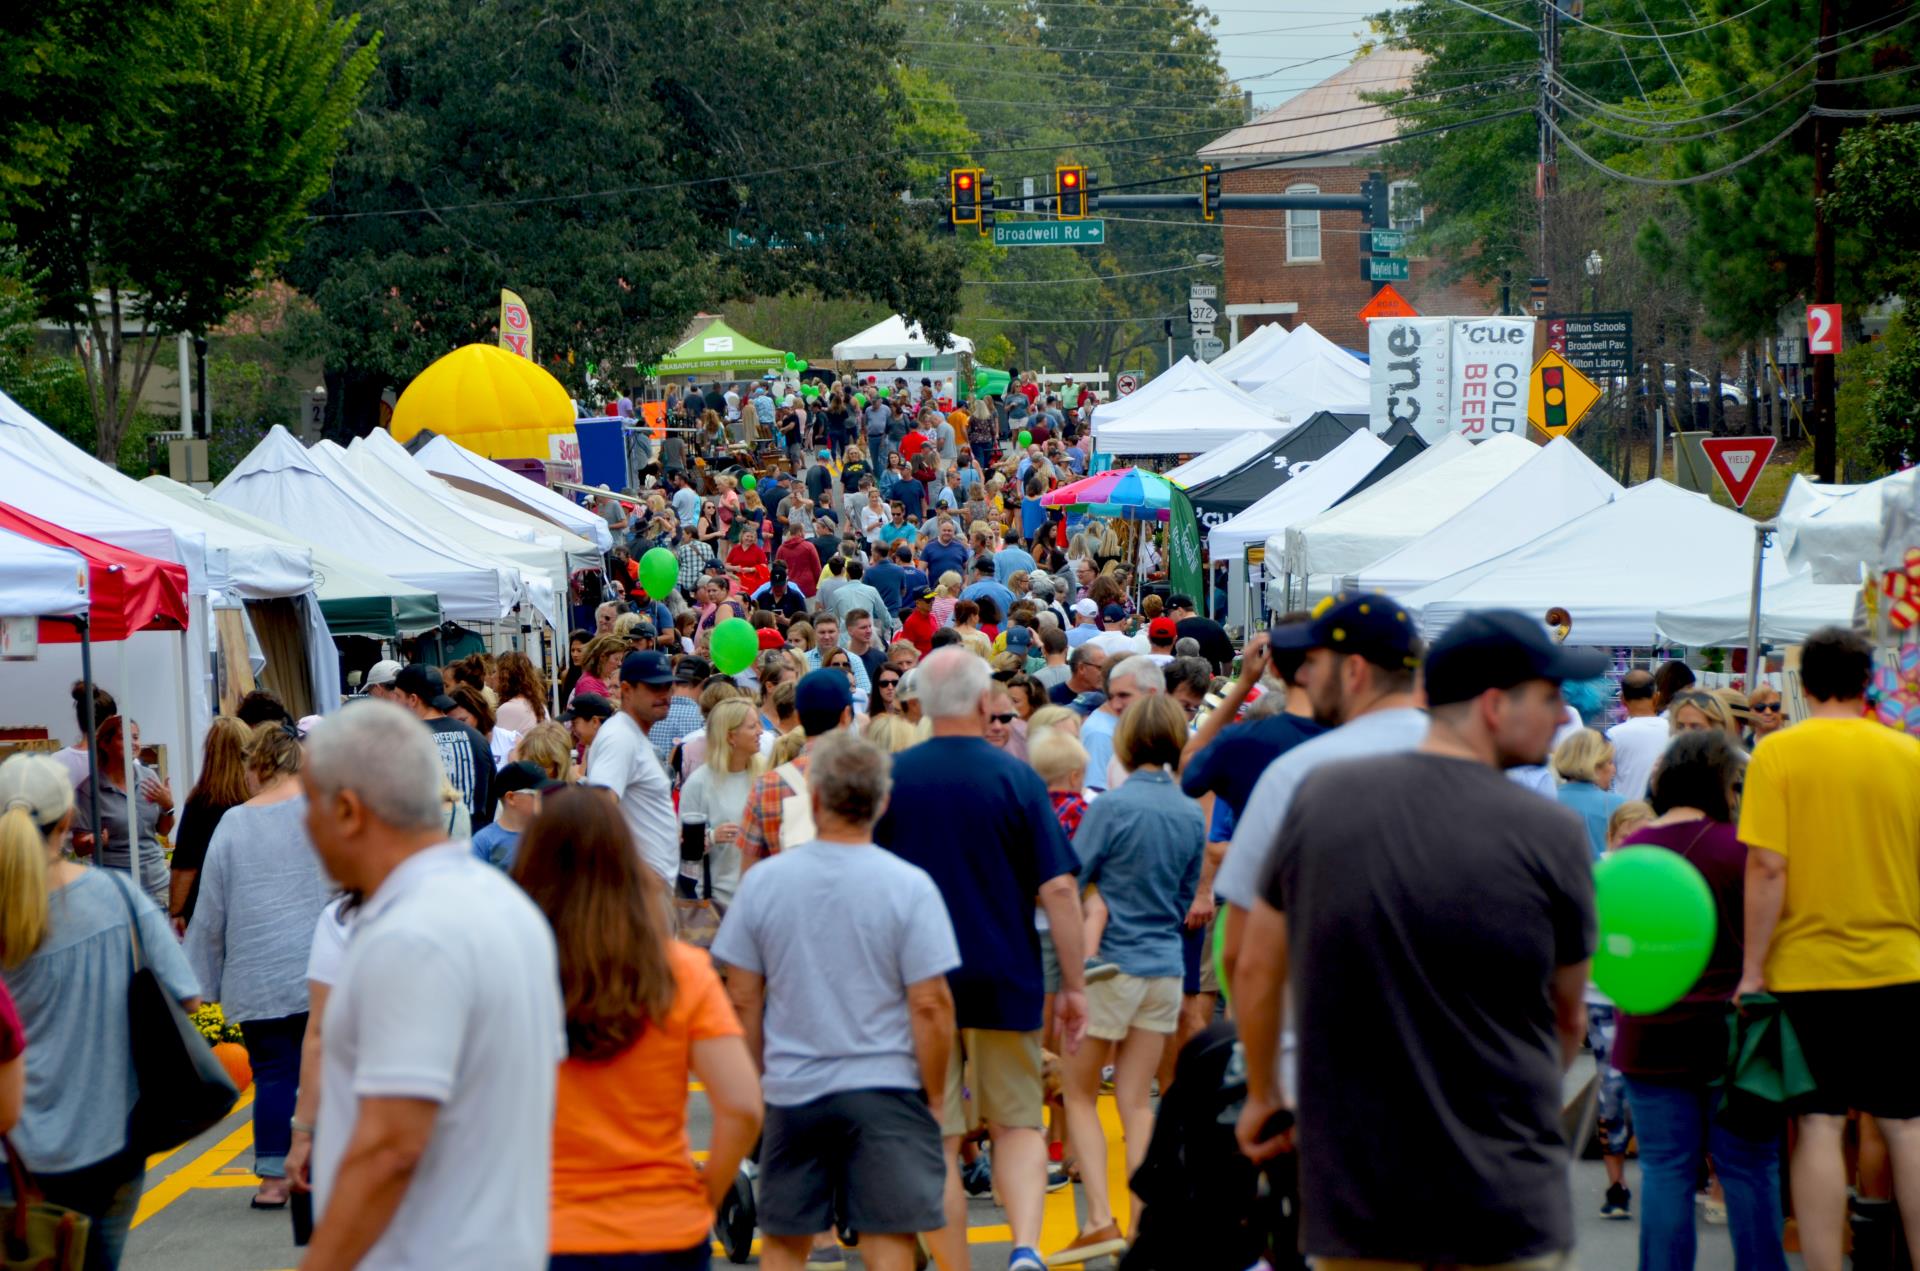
(801, 559)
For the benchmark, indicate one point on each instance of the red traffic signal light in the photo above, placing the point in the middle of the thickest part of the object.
(1070, 191)
(963, 196)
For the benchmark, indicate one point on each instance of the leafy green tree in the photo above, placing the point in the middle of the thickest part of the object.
(163, 222)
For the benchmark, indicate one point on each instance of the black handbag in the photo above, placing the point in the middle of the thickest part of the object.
(184, 1090)
(36, 1235)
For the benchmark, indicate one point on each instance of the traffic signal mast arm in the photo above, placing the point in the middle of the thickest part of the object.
(1077, 193)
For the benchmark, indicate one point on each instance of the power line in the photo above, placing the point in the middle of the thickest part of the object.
(1658, 34)
(1669, 183)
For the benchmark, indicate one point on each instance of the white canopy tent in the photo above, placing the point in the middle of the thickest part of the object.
(1304, 348)
(467, 471)
(39, 580)
(893, 338)
(1257, 342)
(282, 483)
(1187, 410)
(1317, 385)
(1835, 530)
(1790, 611)
(1221, 460)
(1389, 516)
(1554, 485)
(1307, 495)
(1651, 548)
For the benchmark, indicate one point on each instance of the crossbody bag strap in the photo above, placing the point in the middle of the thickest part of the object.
(133, 918)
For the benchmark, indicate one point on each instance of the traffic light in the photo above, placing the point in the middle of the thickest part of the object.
(1210, 193)
(964, 195)
(986, 204)
(1378, 213)
(1070, 191)
(1553, 384)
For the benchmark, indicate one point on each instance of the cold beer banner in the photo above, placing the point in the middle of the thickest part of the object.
(1487, 391)
(1441, 375)
(516, 325)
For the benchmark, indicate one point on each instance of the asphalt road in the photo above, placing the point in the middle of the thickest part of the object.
(194, 1216)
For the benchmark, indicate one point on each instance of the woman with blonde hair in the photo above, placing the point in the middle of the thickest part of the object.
(260, 895)
(1697, 710)
(891, 733)
(548, 747)
(69, 967)
(645, 1014)
(943, 604)
(1051, 717)
(800, 640)
(719, 787)
(522, 691)
(1584, 764)
(222, 785)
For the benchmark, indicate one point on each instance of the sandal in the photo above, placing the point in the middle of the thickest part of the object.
(273, 1194)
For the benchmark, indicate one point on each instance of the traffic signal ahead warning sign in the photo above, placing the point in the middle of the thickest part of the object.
(1560, 397)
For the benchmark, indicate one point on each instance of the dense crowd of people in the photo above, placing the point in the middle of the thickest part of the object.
(989, 825)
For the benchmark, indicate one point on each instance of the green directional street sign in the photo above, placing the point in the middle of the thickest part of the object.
(1384, 268)
(1050, 234)
(1389, 240)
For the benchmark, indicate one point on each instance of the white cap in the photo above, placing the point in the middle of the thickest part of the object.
(39, 785)
(380, 674)
(1086, 608)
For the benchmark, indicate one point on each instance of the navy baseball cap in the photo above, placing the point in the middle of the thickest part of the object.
(646, 667)
(1370, 624)
(424, 682)
(1500, 648)
(587, 706)
(1113, 613)
(820, 698)
(1019, 639)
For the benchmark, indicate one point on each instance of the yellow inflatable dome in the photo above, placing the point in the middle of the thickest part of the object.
(493, 402)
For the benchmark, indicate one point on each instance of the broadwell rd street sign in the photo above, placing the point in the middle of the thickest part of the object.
(1050, 234)
(1738, 462)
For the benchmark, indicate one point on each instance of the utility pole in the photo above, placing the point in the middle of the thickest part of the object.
(1825, 138)
(1546, 177)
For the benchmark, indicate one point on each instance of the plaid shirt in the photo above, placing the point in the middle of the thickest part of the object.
(682, 720)
(760, 827)
(1069, 806)
(693, 557)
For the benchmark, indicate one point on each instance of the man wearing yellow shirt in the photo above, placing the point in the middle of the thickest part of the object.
(1831, 820)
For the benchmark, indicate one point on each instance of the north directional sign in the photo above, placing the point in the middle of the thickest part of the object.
(1559, 395)
(1049, 233)
(1384, 268)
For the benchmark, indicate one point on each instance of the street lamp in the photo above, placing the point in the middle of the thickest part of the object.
(1594, 263)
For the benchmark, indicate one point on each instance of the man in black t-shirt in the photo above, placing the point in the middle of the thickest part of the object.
(1215, 645)
(1436, 921)
(464, 753)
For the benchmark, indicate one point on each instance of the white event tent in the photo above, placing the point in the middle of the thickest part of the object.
(1834, 530)
(893, 338)
(1790, 611)
(1221, 460)
(1307, 495)
(282, 483)
(467, 471)
(1554, 485)
(39, 580)
(1254, 346)
(1304, 348)
(1321, 384)
(1187, 410)
(1653, 547)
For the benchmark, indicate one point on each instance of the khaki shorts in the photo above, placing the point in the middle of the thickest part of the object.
(1005, 1075)
(1127, 1001)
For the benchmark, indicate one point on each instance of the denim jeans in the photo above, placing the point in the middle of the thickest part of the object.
(273, 1049)
(108, 1192)
(1603, 1024)
(1673, 1122)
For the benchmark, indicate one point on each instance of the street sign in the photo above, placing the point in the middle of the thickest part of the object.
(1387, 303)
(1126, 382)
(1200, 312)
(1559, 395)
(1050, 234)
(1389, 240)
(1202, 329)
(1600, 344)
(1208, 347)
(1823, 328)
(1202, 291)
(1384, 268)
(1738, 461)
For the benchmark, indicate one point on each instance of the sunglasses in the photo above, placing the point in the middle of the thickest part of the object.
(1770, 708)
(887, 683)
(1006, 718)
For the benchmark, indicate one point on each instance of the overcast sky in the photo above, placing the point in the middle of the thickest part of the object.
(1278, 48)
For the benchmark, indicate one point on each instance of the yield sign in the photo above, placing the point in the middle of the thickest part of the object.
(1737, 461)
(1559, 395)
(1387, 303)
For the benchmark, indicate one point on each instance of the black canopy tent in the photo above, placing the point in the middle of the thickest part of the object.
(1290, 454)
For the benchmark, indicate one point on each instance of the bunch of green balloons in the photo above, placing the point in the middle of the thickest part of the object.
(659, 571)
(1656, 927)
(794, 363)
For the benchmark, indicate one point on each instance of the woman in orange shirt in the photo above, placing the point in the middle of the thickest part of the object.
(643, 1013)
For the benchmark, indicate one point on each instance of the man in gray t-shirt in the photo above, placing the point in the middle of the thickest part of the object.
(850, 1018)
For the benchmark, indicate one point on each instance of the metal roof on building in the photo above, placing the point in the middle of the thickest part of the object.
(1330, 115)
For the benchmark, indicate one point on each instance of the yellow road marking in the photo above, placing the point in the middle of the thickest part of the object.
(194, 1172)
(227, 1180)
(246, 1098)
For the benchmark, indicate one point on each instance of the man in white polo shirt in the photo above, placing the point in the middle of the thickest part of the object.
(625, 761)
(443, 1032)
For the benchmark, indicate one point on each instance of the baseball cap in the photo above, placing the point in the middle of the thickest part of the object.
(825, 453)
(1019, 639)
(1500, 648)
(1086, 608)
(929, 595)
(1180, 600)
(777, 572)
(1162, 629)
(1373, 625)
(820, 698)
(646, 667)
(380, 674)
(587, 706)
(1113, 613)
(424, 682)
(692, 670)
(519, 775)
(771, 639)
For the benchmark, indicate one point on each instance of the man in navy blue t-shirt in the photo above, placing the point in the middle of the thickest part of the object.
(947, 552)
(981, 824)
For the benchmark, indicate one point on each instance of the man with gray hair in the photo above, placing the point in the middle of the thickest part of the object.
(444, 1029)
(981, 823)
(1127, 680)
(851, 1022)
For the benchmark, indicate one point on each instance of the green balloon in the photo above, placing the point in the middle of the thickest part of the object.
(801, 364)
(859, 399)
(1656, 927)
(749, 481)
(659, 571)
(1025, 439)
(886, 390)
(809, 391)
(1220, 957)
(733, 645)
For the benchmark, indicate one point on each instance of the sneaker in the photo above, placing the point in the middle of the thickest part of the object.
(977, 1176)
(1099, 1243)
(1098, 971)
(1619, 1202)
(831, 1256)
(1025, 1259)
(1057, 1179)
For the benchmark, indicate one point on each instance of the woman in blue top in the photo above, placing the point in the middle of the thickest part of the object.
(1584, 764)
(1140, 844)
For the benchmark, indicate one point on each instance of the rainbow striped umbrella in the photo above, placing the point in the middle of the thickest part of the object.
(1132, 494)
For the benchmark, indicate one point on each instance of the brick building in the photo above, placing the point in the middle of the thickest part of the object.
(1293, 267)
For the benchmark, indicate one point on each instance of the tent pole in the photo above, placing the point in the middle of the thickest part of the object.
(131, 772)
(93, 726)
(1755, 669)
